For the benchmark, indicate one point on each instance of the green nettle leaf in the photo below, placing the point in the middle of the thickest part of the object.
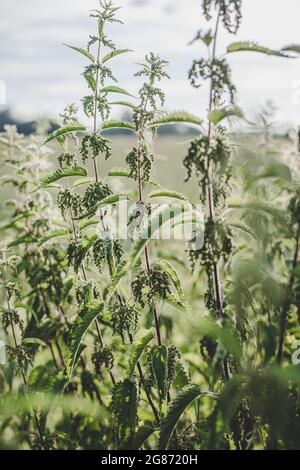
(244, 229)
(115, 89)
(63, 173)
(176, 408)
(82, 181)
(181, 378)
(54, 234)
(155, 222)
(64, 131)
(24, 239)
(221, 334)
(15, 220)
(116, 124)
(176, 118)
(113, 199)
(218, 115)
(292, 48)
(34, 341)
(123, 172)
(78, 331)
(159, 369)
(173, 275)
(248, 46)
(127, 104)
(91, 82)
(52, 186)
(119, 172)
(261, 208)
(138, 348)
(87, 223)
(83, 52)
(143, 433)
(119, 273)
(114, 53)
(168, 193)
(124, 406)
(107, 201)
(277, 170)
(43, 379)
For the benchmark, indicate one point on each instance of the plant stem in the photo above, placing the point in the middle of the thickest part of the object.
(47, 310)
(140, 371)
(211, 207)
(287, 301)
(84, 275)
(141, 200)
(95, 107)
(37, 424)
(97, 180)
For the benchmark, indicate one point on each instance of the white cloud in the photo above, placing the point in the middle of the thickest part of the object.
(41, 75)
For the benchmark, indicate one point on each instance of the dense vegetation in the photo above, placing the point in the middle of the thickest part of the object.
(143, 343)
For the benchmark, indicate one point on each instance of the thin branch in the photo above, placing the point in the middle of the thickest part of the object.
(211, 207)
(287, 301)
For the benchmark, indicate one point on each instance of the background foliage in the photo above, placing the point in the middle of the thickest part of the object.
(151, 344)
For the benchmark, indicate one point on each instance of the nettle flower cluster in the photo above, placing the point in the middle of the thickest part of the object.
(92, 146)
(218, 72)
(140, 158)
(209, 155)
(229, 10)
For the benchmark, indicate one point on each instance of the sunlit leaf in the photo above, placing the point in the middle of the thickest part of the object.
(114, 53)
(217, 115)
(138, 348)
(83, 52)
(115, 89)
(176, 118)
(167, 193)
(248, 46)
(54, 234)
(116, 124)
(82, 323)
(65, 131)
(63, 173)
(177, 406)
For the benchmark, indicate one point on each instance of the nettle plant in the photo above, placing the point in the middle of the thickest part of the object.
(210, 156)
(95, 358)
(35, 300)
(89, 202)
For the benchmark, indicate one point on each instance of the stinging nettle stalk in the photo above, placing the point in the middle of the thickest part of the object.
(90, 207)
(210, 155)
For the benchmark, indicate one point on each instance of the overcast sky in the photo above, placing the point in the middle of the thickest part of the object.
(42, 76)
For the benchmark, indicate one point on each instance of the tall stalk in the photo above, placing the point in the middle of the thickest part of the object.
(289, 295)
(210, 154)
(18, 354)
(210, 197)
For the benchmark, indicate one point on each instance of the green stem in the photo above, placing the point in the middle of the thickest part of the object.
(141, 200)
(287, 302)
(97, 178)
(211, 207)
(37, 424)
